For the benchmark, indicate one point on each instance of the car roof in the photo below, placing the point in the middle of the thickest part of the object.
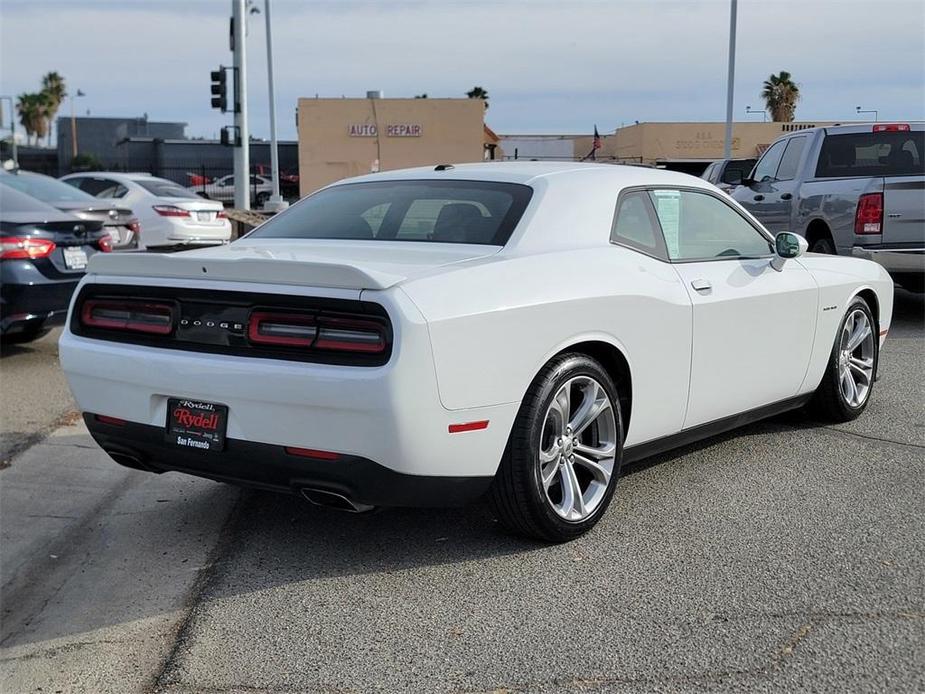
(115, 175)
(529, 172)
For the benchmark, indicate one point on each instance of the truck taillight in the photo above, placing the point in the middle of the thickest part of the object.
(25, 247)
(336, 333)
(869, 217)
(133, 316)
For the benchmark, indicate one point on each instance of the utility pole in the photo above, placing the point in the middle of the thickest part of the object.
(276, 201)
(12, 129)
(730, 80)
(242, 167)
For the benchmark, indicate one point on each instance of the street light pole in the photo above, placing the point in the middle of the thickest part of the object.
(874, 111)
(12, 129)
(74, 125)
(276, 201)
(730, 79)
(750, 111)
(242, 167)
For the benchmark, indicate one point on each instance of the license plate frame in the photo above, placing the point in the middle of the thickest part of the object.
(196, 425)
(75, 258)
(203, 216)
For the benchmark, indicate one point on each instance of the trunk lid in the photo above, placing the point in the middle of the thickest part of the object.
(338, 264)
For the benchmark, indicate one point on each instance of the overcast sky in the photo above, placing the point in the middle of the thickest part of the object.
(549, 67)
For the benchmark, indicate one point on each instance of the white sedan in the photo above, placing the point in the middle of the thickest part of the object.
(427, 336)
(170, 216)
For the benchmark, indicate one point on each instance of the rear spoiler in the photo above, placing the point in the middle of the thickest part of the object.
(258, 270)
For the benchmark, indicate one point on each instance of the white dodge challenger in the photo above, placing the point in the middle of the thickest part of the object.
(427, 336)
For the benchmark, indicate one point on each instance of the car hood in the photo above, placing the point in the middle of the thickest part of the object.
(340, 264)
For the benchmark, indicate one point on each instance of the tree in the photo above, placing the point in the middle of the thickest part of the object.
(54, 89)
(780, 94)
(32, 110)
(421, 96)
(478, 93)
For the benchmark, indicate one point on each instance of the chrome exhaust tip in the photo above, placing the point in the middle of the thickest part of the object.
(329, 499)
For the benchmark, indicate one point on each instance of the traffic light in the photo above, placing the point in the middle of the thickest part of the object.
(219, 89)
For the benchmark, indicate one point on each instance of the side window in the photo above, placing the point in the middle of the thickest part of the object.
(698, 226)
(791, 159)
(634, 225)
(708, 174)
(766, 170)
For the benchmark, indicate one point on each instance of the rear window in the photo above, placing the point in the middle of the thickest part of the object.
(872, 154)
(477, 212)
(163, 188)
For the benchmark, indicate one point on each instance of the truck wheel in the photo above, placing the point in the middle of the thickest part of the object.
(564, 453)
(823, 245)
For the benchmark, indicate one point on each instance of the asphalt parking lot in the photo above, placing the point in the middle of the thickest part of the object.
(786, 556)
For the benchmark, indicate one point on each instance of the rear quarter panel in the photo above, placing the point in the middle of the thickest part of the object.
(493, 326)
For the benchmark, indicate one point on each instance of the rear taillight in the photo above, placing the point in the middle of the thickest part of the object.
(869, 217)
(133, 316)
(350, 335)
(104, 243)
(170, 211)
(134, 225)
(324, 332)
(222, 215)
(25, 247)
(288, 329)
(892, 128)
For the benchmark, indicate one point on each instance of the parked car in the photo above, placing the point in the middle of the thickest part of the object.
(118, 221)
(721, 173)
(222, 189)
(171, 216)
(423, 337)
(43, 254)
(851, 190)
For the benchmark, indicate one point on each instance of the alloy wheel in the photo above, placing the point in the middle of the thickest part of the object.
(856, 358)
(578, 445)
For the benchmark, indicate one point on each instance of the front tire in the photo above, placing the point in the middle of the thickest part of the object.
(563, 457)
(849, 376)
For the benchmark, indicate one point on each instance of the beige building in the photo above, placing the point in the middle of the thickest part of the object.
(686, 146)
(350, 137)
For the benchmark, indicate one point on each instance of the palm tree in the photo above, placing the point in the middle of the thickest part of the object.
(478, 93)
(780, 94)
(54, 89)
(32, 109)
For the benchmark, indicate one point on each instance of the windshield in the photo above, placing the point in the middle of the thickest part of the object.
(46, 189)
(163, 188)
(478, 212)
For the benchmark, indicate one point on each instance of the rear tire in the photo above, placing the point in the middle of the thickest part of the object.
(854, 356)
(563, 457)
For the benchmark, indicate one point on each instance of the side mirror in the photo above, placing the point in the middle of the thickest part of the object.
(787, 245)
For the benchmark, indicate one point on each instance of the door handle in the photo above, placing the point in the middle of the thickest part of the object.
(701, 285)
(786, 196)
(758, 198)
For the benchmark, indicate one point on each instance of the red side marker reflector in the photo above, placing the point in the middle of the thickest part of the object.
(312, 453)
(114, 421)
(468, 426)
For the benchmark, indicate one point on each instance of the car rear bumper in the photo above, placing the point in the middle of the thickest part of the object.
(390, 414)
(33, 305)
(894, 260)
(359, 480)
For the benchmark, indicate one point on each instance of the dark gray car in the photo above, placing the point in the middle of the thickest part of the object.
(849, 189)
(118, 221)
